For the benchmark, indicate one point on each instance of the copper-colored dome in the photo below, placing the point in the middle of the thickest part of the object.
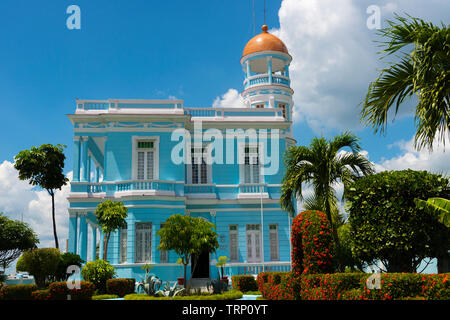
(264, 42)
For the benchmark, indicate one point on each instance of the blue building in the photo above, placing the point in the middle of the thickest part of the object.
(161, 158)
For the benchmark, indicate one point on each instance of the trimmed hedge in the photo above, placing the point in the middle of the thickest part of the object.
(244, 283)
(120, 287)
(17, 292)
(105, 297)
(229, 295)
(353, 286)
(41, 294)
(60, 291)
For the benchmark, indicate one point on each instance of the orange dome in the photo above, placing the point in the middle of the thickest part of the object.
(264, 42)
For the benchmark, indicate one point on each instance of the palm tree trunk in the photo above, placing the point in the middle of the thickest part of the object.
(54, 219)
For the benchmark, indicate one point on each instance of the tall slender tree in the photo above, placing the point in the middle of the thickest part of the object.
(423, 71)
(323, 165)
(43, 167)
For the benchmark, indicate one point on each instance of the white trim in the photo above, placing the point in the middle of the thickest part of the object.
(134, 140)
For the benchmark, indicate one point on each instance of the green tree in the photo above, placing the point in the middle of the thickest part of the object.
(110, 217)
(67, 259)
(386, 224)
(15, 237)
(322, 165)
(187, 236)
(42, 263)
(43, 167)
(424, 72)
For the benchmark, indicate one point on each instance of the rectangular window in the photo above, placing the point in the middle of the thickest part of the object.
(234, 244)
(199, 167)
(259, 106)
(253, 243)
(123, 244)
(145, 160)
(251, 165)
(283, 108)
(273, 241)
(143, 242)
(163, 254)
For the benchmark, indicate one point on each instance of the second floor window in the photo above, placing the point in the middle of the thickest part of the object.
(145, 160)
(198, 166)
(251, 165)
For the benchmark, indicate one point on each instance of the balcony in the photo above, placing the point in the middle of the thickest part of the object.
(265, 79)
(253, 191)
(173, 188)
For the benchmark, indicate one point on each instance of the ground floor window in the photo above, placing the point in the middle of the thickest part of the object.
(163, 254)
(253, 243)
(234, 245)
(143, 242)
(123, 244)
(273, 241)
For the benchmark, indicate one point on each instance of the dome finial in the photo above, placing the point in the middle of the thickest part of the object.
(265, 28)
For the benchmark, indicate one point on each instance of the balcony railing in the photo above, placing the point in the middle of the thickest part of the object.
(264, 79)
(256, 268)
(252, 188)
(200, 188)
(178, 188)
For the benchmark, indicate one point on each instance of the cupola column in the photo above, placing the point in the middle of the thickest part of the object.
(249, 73)
(269, 69)
(286, 70)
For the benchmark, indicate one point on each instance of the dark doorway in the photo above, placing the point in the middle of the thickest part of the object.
(201, 267)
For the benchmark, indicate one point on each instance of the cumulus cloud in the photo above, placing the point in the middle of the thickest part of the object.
(436, 161)
(230, 99)
(19, 199)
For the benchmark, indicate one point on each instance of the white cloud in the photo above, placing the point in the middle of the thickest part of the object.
(436, 161)
(19, 199)
(231, 99)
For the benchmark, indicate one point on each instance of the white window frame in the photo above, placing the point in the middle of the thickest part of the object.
(236, 232)
(253, 156)
(257, 232)
(205, 148)
(136, 248)
(123, 248)
(274, 256)
(134, 158)
(163, 253)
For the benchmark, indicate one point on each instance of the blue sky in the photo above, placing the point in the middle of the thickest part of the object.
(190, 50)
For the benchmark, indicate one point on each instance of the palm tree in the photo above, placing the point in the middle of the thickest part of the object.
(323, 165)
(423, 72)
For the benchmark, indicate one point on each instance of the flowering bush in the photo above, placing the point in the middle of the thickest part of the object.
(60, 291)
(244, 283)
(41, 294)
(353, 286)
(17, 292)
(270, 284)
(120, 287)
(312, 243)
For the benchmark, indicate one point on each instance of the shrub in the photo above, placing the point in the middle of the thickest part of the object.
(353, 286)
(98, 272)
(316, 242)
(244, 283)
(42, 263)
(270, 285)
(17, 292)
(120, 287)
(60, 291)
(404, 285)
(67, 259)
(41, 294)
